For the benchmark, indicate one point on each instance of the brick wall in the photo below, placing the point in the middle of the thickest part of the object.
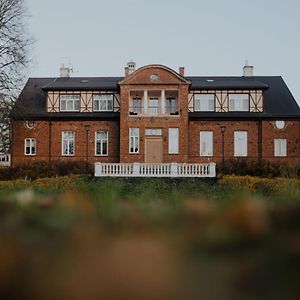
(291, 132)
(41, 132)
(269, 132)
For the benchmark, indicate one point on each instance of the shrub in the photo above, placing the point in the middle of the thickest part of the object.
(261, 169)
(44, 169)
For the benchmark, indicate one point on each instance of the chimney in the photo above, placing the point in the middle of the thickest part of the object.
(181, 71)
(248, 70)
(126, 71)
(130, 68)
(64, 72)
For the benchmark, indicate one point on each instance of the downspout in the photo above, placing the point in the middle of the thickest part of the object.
(259, 142)
(50, 139)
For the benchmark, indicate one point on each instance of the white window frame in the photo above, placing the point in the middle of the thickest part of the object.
(101, 141)
(173, 144)
(32, 145)
(68, 141)
(153, 110)
(240, 149)
(69, 99)
(134, 140)
(106, 99)
(206, 143)
(237, 102)
(203, 104)
(137, 109)
(280, 147)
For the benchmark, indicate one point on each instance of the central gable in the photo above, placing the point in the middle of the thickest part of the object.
(154, 75)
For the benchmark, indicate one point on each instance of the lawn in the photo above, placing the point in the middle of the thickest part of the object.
(78, 238)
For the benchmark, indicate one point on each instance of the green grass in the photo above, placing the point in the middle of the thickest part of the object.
(152, 238)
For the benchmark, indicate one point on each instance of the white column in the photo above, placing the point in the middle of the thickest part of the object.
(163, 102)
(145, 101)
(136, 169)
(174, 170)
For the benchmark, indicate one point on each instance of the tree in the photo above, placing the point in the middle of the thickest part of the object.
(14, 46)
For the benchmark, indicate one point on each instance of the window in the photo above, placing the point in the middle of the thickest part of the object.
(69, 102)
(134, 137)
(30, 146)
(280, 124)
(153, 131)
(238, 102)
(153, 107)
(173, 140)
(68, 143)
(280, 147)
(204, 102)
(30, 124)
(240, 143)
(137, 105)
(103, 102)
(206, 143)
(171, 105)
(101, 143)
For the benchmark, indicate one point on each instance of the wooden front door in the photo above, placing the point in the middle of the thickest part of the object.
(153, 150)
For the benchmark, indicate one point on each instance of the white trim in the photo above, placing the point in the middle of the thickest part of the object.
(237, 103)
(106, 100)
(134, 140)
(62, 143)
(280, 147)
(240, 143)
(206, 139)
(154, 170)
(30, 146)
(173, 143)
(107, 142)
(73, 100)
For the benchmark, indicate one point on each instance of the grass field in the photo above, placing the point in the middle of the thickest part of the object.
(76, 238)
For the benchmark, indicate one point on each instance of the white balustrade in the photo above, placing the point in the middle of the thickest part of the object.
(5, 160)
(154, 170)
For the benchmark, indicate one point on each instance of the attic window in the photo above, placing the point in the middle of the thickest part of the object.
(154, 77)
(69, 102)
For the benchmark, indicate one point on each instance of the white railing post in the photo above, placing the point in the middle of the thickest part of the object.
(212, 170)
(174, 169)
(136, 169)
(153, 170)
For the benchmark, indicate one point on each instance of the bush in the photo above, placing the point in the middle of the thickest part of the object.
(44, 169)
(257, 184)
(267, 169)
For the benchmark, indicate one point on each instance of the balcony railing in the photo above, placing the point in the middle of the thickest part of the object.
(153, 111)
(4, 160)
(154, 170)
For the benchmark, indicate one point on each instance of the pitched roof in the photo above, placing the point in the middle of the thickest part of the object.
(278, 100)
(83, 83)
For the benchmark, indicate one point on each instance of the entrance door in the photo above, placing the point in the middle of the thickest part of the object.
(153, 150)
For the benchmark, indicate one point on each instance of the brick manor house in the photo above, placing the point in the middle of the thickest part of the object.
(155, 115)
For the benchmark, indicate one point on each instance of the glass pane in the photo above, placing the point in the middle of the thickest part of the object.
(77, 106)
(96, 105)
(63, 105)
(98, 148)
(110, 104)
(104, 148)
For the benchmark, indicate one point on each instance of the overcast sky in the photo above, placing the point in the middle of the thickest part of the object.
(207, 37)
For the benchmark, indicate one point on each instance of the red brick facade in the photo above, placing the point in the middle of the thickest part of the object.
(260, 132)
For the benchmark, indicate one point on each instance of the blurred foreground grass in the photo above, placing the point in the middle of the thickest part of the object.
(75, 238)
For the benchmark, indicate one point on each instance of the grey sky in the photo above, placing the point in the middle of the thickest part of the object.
(212, 37)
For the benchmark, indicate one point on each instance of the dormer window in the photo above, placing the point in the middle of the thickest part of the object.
(103, 102)
(204, 102)
(69, 102)
(238, 102)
